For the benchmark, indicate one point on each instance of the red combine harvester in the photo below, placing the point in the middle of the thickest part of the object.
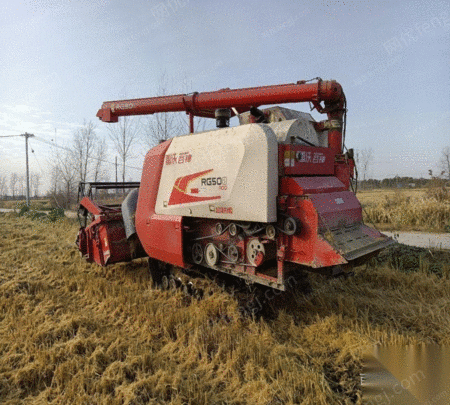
(260, 201)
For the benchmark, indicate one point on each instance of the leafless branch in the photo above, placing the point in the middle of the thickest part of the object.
(124, 136)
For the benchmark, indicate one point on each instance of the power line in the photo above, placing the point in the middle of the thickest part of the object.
(37, 160)
(38, 138)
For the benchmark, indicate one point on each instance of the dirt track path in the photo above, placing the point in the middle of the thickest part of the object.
(422, 239)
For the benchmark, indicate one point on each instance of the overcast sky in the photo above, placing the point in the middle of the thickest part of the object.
(61, 59)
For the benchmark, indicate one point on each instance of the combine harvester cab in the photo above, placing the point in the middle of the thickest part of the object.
(260, 201)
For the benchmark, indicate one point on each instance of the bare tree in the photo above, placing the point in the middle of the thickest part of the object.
(3, 187)
(81, 160)
(21, 186)
(84, 145)
(100, 154)
(89, 152)
(162, 126)
(445, 162)
(35, 182)
(55, 182)
(364, 159)
(124, 135)
(200, 123)
(13, 184)
(64, 174)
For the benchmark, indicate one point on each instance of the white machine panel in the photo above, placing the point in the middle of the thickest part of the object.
(229, 173)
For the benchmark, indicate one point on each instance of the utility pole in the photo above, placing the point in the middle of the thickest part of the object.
(26, 135)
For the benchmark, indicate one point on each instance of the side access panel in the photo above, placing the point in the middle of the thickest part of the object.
(160, 235)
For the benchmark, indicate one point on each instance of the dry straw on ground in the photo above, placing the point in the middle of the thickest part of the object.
(73, 333)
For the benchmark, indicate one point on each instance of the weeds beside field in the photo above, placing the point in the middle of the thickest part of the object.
(74, 333)
(408, 210)
(35, 204)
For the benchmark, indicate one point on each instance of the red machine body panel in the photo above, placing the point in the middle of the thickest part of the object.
(331, 231)
(305, 160)
(307, 247)
(310, 185)
(344, 170)
(161, 236)
(336, 209)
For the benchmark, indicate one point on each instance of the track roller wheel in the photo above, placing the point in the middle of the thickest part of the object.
(165, 281)
(158, 270)
(255, 252)
(270, 232)
(219, 228)
(188, 289)
(174, 283)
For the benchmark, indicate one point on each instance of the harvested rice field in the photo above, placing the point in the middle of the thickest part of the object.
(74, 333)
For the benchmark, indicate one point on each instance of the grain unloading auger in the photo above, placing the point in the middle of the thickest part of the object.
(259, 201)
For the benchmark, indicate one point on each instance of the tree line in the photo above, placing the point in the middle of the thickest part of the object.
(365, 157)
(89, 157)
(395, 182)
(15, 186)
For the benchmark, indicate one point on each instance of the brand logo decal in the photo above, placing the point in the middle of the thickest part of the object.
(214, 181)
(178, 158)
(180, 191)
(224, 210)
(309, 157)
